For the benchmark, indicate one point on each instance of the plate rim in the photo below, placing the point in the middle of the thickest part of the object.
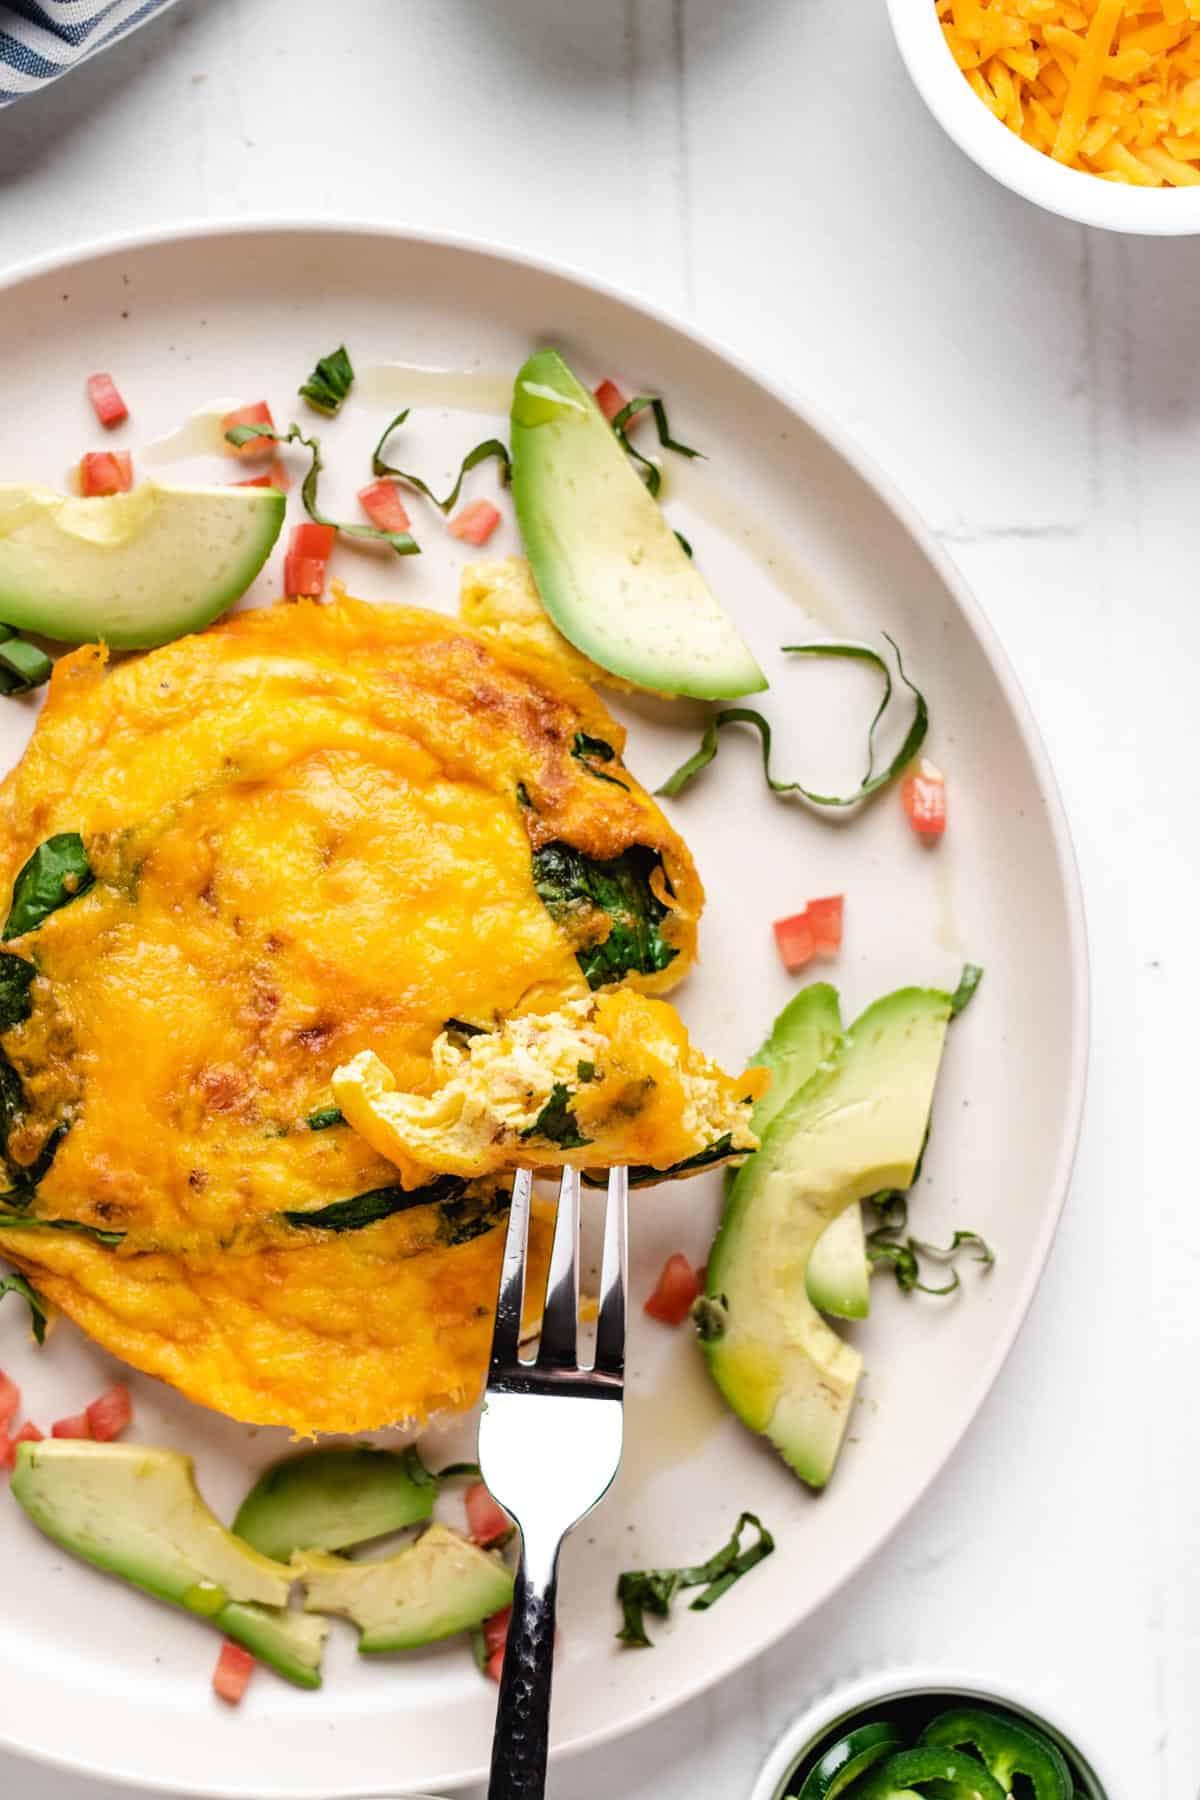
(893, 498)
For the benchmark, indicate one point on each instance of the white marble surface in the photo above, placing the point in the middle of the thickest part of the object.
(763, 167)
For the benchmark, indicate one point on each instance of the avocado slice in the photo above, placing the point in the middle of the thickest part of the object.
(839, 1273)
(136, 1513)
(132, 569)
(804, 1034)
(857, 1126)
(330, 1499)
(807, 1031)
(609, 569)
(429, 1590)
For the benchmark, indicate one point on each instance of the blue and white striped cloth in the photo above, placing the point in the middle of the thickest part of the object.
(42, 39)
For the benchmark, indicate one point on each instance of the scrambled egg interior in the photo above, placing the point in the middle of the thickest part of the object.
(607, 1080)
(316, 831)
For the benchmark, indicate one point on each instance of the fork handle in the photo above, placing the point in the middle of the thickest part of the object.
(521, 1744)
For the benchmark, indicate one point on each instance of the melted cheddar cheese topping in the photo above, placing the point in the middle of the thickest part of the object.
(314, 832)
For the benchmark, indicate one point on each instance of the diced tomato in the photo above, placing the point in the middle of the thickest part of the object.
(495, 1630)
(303, 577)
(309, 550)
(108, 1416)
(825, 923)
(275, 477)
(486, 1522)
(383, 506)
(924, 795)
(311, 539)
(795, 940)
(104, 472)
(817, 931)
(678, 1287)
(259, 413)
(76, 1427)
(475, 523)
(10, 1400)
(610, 399)
(231, 1677)
(495, 1636)
(110, 408)
(28, 1434)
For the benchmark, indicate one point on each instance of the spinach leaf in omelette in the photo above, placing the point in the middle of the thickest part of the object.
(12, 1101)
(27, 1175)
(644, 1175)
(12, 1113)
(471, 1217)
(16, 979)
(462, 1215)
(462, 1028)
(324, 1117)
(27, 1222)
(57, 871)
(556, 1122)
(588, 751)
(573, 887)
(16, 1004)
(378, 1203)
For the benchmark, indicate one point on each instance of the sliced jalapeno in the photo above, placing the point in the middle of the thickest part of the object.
(908, 1775)
(849, 1758)
(1007, 1747)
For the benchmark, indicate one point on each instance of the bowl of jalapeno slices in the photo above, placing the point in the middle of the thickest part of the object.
(914, 1736)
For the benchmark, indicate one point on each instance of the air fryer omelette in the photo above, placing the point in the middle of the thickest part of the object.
(321, 834)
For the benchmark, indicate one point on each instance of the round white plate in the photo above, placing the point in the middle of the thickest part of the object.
(802, 540)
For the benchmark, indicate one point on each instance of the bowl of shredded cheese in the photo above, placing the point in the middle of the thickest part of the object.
(1091, 108)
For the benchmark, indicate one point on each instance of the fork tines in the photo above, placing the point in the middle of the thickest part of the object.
(560, 1319)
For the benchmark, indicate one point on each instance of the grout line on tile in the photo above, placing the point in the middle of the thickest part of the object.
(682, 127)
(1091, 365)
(655, 65)
(1007, 534)
(1131, 447)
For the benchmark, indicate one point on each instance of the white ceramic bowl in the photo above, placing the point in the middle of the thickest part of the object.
(884, 1686)
(1072, 193)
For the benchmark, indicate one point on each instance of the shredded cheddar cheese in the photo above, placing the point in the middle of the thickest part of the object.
(1108, 86)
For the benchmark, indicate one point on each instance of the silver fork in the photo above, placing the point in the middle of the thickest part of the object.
(549, 1447)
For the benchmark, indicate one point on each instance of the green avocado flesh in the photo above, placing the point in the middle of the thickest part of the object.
(609, 569)
(136, 1513)
(430, 1590)
(807, 1031)
(839, 1275)
(855, 1127)
(330, 1499)
(133, 570)
(804, 1034)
